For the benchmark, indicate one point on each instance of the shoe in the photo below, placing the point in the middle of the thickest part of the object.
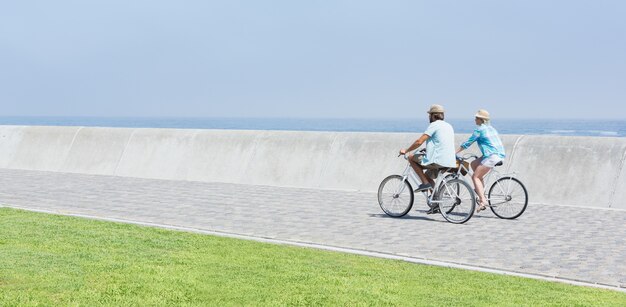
(433, 210)
(481, 208)
(423, 187)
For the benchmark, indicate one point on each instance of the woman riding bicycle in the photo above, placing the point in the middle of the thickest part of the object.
(490, 146)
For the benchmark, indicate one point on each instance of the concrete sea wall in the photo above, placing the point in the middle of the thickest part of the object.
(580, 171)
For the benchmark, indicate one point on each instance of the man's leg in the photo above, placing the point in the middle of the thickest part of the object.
(419, 170)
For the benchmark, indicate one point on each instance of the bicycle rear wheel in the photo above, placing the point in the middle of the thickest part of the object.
(395, 196)
(508, 198)
(456, 201)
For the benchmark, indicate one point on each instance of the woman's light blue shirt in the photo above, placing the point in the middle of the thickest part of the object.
(488, 141)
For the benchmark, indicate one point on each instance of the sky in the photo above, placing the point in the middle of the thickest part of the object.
(313, 59)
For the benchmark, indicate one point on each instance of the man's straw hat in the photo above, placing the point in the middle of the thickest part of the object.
(482, 114)
(435, 109)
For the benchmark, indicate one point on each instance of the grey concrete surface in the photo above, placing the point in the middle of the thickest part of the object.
(96, 150)
(581, 170)
(556, 169)
(40, 148)
(581, 244)
(157, 153)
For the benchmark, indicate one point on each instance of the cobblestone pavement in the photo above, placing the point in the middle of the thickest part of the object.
(578, 244)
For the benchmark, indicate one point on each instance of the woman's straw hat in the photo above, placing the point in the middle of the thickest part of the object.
(435, 109)
(482, 114)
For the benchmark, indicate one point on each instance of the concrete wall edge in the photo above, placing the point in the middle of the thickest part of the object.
(123, 152)
(616, 180)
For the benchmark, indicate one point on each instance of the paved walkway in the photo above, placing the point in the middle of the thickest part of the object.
(578, 244)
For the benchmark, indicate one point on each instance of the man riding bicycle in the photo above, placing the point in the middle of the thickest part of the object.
(439, 139)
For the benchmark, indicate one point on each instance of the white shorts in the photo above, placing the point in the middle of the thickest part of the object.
(490, 161)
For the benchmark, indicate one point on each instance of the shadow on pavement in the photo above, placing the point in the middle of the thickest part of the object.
(406, 217)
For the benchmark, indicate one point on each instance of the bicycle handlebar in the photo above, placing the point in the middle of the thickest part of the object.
(422, 152)
(466, 157)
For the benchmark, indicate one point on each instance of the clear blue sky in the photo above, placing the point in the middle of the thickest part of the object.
(518, 59)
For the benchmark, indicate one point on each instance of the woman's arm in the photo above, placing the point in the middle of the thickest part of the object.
(470, 141)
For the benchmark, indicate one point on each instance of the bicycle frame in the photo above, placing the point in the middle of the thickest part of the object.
(487, 179)
(410, 175)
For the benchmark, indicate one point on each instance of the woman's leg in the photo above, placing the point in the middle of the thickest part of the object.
(479, 172)
(475, 164)
(419, 170)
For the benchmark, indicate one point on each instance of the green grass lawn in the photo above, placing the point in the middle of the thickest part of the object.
(50, 260)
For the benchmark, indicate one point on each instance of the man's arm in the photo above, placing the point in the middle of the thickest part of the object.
(416, 144)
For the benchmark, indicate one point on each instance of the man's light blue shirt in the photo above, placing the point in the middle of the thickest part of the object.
(440, 144)
(488, 141)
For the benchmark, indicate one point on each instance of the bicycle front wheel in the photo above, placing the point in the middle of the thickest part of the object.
(395, 196)
(508, 198)
(455, 186)
(456, 201)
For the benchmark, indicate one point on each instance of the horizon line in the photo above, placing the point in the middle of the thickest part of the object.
(290, 117)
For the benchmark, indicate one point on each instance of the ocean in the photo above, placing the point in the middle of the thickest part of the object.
(604, 128)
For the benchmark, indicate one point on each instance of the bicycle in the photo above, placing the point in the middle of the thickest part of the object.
(454, 197)
(507, 197)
